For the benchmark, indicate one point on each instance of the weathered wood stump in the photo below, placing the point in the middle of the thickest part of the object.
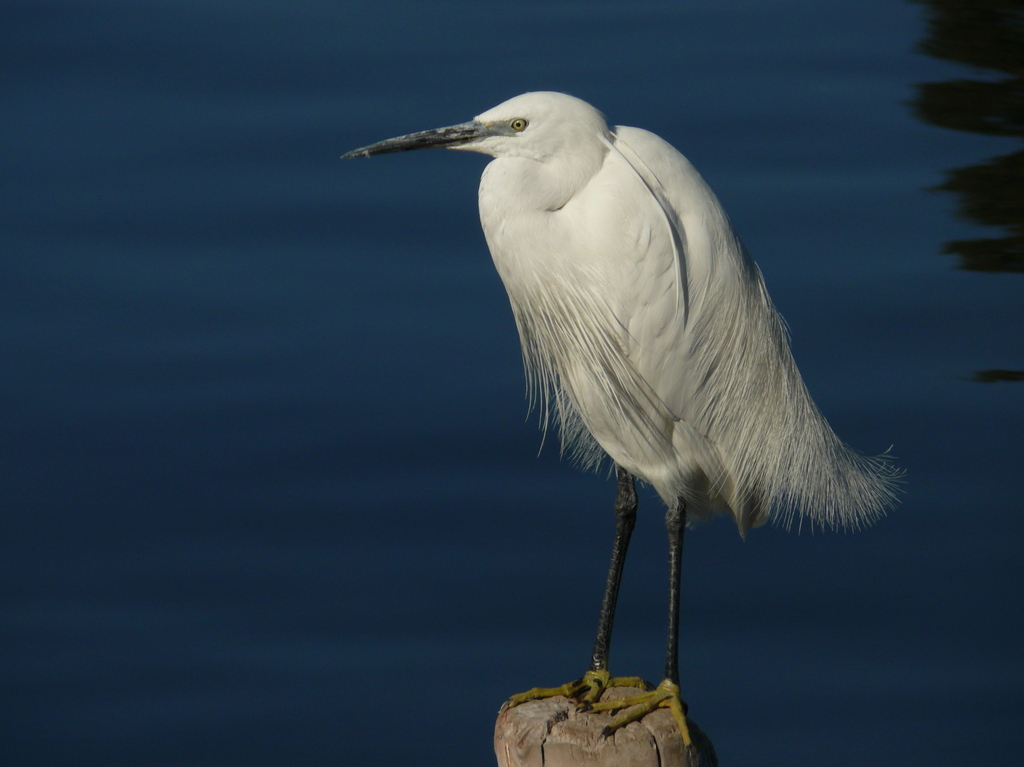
(550, 733)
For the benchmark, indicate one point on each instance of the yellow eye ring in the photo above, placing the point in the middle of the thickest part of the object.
(519, 124)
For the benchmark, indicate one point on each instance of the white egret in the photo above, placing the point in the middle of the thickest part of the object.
(648, 336)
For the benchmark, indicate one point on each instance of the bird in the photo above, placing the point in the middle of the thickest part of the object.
(648, 337)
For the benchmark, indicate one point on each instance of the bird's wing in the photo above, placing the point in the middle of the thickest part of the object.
(684, 276)
(694, 287)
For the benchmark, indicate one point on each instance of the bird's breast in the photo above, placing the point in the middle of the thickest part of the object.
(588, 241)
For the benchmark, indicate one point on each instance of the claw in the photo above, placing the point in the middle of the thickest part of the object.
(588, 691)
(570, 690)
(590, 686)
(665, 695)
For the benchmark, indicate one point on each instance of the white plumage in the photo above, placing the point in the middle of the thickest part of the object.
(646, 326)
(646, 329)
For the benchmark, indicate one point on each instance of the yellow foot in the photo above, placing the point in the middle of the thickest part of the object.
(586, 691)
(665, 695)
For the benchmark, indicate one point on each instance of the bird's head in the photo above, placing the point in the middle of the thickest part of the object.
(538, 126)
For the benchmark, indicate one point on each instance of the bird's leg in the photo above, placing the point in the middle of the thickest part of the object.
(625, 521)
(666, 695)
(597, 678)
(675, 524)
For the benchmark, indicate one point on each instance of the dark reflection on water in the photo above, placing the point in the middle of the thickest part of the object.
(987, 35)
(991, 376)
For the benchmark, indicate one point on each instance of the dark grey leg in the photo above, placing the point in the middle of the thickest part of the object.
(625, 520)
(675, 523)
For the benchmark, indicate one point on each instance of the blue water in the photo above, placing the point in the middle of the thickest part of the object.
(269, 492)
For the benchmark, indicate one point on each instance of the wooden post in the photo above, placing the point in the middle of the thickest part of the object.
(550, 733)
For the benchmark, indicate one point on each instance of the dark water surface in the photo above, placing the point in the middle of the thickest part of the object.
(268, 493)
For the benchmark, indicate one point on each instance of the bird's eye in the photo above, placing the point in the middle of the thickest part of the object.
(519, 124)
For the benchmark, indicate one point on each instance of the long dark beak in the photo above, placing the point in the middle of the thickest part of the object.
(453, 135)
